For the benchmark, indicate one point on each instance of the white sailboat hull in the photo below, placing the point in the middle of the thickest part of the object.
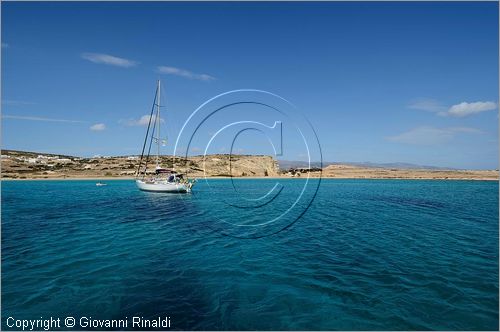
(159, 182)
(163, 186)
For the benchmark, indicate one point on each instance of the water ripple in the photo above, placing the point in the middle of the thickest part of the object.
(367, 255)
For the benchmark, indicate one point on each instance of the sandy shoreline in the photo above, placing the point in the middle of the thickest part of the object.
(19, 165)
(255, 178)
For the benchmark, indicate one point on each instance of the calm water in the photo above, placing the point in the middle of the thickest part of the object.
(368, 254)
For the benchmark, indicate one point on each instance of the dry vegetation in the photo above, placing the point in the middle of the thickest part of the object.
(347, 171)
(30, 165)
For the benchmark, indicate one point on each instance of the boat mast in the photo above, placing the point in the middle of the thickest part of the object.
(158, 124)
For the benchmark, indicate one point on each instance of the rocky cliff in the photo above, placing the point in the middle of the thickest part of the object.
(27, 165)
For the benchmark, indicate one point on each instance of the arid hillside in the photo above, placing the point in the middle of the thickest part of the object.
(356, 172)
(31, 165)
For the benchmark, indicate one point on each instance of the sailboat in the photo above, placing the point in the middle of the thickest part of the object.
(162, 180)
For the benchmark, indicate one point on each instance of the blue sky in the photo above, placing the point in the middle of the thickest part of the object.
(380, 82)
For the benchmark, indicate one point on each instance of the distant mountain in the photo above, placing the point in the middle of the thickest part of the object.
(287, 164)
(283, 164)
(33, 165)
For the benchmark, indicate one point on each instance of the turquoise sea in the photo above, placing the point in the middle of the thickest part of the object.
(366, 255)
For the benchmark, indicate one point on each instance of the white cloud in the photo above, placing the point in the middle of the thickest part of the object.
(464, 109)
(184, 73)
(98, 127)
(108, 60)
(143, 121)
(458, 110)
(36, 118)
(429, 105)
(426, 135)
